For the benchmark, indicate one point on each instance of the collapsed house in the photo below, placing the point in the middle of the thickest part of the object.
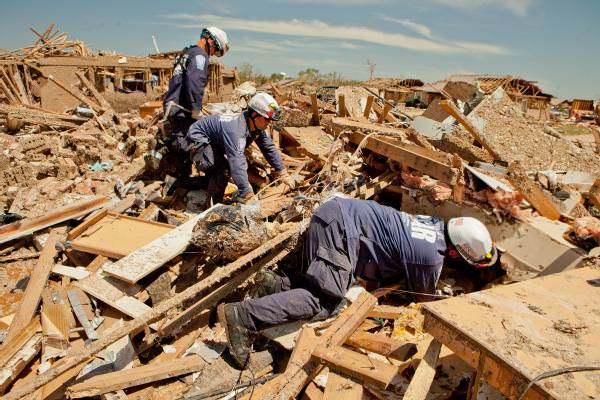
(110, 277)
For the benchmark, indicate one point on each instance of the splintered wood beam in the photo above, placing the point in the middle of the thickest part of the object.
(383, 345)
(423, 377)
(342, 106)
(451, 109)
(28, 226)
(384, 113)
(15, 356)
(315, 110)
(517, 176)
(418, 158)
(359, 366)
(75, 358)
(386, 116)
(302, 368)
(35, 286)
(368, 106)
(123, 379)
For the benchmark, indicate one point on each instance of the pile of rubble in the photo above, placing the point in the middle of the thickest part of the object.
(110, 278)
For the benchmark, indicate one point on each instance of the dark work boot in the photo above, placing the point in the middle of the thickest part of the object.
(238, 336)
(265, 283)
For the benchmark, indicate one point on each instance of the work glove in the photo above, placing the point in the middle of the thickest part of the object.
(287, 179)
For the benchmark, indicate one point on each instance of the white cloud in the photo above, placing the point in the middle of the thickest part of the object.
(316, 28)
(348, 45)
(407, 23)
(517, 7)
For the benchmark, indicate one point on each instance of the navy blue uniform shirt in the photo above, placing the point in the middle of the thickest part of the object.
(188, 82)
(385, 244)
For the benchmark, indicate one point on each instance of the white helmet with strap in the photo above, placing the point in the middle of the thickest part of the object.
(265, 105)
(220, 38)
(472, 241)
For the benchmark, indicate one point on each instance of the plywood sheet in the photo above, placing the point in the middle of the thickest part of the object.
(528, 328)
(117, 235)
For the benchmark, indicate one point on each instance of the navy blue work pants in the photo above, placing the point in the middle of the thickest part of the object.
(328, 277)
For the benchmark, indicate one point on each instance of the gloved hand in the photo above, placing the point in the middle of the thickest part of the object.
(197, 114)
(287, 179)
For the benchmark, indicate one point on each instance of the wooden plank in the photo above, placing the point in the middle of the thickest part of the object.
(342, 106)
(451, 109)
(71, 272)
(22, 357)
(383, 345)
(423, 377)
(384, 113)
(88, 222)
(304, 368)
(340, 387)
(37, 281)
(359, 366)
(8, 349)
(113, 381)
(510, 326)
(386, 312)
(368, 106)
(157, 313)
(116, 235)
(19, 82)
(28, 226)
(416, 157)
(380, 110)
(532, 192)
(105, 62)
(315, 110)
(104, 290)
(155, 254)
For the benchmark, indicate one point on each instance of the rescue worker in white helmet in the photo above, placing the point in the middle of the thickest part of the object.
(216, 144)
(182, 103)
(349, 239)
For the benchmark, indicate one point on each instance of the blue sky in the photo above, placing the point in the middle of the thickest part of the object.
(553, 42)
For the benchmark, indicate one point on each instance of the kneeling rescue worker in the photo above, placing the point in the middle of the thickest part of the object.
(216, 144)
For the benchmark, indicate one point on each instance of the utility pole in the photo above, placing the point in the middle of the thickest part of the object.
(371, 65)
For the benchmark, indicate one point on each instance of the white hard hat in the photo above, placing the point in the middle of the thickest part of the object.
(220, 37)
(472, 241)
(265, 105)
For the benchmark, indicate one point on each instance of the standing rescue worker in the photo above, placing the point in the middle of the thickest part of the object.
(348, 239)
(216, 144)
(183, 101)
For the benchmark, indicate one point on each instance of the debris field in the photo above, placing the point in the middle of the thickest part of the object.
(110, 275)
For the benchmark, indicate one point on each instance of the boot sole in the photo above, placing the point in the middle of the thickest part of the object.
(223, 321)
